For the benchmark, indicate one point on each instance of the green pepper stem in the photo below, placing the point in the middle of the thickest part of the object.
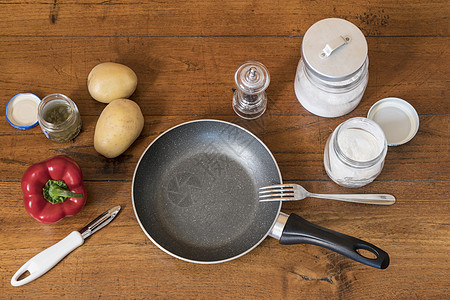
(57, 191)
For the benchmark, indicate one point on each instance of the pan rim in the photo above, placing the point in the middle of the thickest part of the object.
(188, 259)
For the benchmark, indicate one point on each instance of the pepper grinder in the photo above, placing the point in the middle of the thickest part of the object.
(250, 100)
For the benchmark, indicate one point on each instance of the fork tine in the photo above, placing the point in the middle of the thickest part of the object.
(278, 192)
(276, 198)
(277, 186)
(277, 195)
(275, 191)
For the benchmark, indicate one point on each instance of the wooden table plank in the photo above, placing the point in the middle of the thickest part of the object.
(176, 72)
(123, 259)
(204, 18)
(298, 148)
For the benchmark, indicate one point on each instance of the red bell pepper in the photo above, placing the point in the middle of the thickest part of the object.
(53, 189)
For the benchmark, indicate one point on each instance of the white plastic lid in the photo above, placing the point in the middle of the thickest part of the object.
(22, 110)
(397, 118)
(334, 48)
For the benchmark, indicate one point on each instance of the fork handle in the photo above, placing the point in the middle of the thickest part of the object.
(378, 199)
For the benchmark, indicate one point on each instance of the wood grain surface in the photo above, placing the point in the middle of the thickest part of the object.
(185, 55)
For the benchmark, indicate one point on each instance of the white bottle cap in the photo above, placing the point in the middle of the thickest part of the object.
(22, 110)
(397, 118)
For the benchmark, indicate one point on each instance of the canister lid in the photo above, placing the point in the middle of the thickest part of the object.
(22, 110)
(334, 48)
(397, 118)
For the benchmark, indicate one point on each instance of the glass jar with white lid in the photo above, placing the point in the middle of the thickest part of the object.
(332, 73)
(355, 152)
(59, 118)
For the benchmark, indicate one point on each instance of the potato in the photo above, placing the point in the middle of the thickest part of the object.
(118, 126)
(110, 81)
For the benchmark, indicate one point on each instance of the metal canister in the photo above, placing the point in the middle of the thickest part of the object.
(332, 73)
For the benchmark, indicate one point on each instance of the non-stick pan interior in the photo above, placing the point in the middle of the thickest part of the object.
(195, 191)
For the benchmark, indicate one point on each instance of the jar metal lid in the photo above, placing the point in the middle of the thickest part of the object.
(334, 48)
(398, 119)
(22, 110)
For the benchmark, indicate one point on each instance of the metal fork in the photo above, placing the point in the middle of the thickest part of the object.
(293, 192)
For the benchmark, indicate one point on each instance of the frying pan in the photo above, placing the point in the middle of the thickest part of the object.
(195, 195)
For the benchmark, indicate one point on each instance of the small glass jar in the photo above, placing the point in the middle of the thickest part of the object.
(355, 152)
(332, 73)
(59, 118)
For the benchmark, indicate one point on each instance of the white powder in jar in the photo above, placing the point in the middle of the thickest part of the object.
(333, 102)
(354, 153)
(358, 144)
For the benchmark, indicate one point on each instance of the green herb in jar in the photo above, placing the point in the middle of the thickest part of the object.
(59, 118)
(57, 113)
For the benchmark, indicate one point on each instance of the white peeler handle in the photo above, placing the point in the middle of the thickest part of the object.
(47, 259)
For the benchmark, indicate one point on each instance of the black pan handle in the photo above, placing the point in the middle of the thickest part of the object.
(299, 231)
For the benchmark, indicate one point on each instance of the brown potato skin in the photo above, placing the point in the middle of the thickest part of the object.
(110, 81)
(118, 126)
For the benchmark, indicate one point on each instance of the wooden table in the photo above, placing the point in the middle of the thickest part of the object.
(185, 55)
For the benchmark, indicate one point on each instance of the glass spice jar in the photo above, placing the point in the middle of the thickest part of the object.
(59, 118)
(355, 152)
(332, 73)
